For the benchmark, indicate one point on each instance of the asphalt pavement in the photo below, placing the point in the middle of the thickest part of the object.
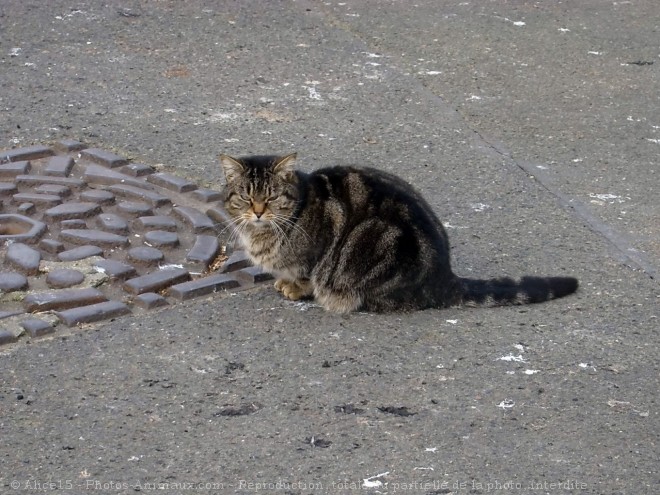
(533, 128)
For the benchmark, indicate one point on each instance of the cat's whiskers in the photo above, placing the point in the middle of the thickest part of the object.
(291, 225)
(238, 227)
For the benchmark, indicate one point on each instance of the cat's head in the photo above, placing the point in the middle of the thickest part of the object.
(260, 189)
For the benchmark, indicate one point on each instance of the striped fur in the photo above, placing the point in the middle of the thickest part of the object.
(356, 238)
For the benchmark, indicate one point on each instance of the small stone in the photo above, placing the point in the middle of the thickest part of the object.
(103, 157)
(158, 222)
(145, 254)
(69, 145)
(196, 219)
(63, 278)
(36, 327)
(55, 189)
(59, 166)
(137, 169)
(202, 287)
(80, 253)
(33, 180)
(133, 192)
(149, 300)
(11, 281)
(8, 170)
(204, 250)
(7, 337)
(218, 214)
(135, 208)
(26, 208)
(96, 237)
(51, 246)
(206, 195)
(113, 223)
(97, 174)
(23, 258)
(7, 189)
(171, 182)
(161, 238)
(47, 200)
(156, 281)
(116, 269)
(62, 299)
(72, 210)
(92, 313)
(252, 275)
(74, 223)
(98, 196)
(28, 153)
(237, 260)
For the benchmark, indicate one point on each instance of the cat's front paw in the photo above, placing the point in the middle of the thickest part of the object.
(294, 290)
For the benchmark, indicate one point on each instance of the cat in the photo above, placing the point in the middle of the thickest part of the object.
(356, 238)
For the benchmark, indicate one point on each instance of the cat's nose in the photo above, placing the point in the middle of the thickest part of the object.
(258, 208)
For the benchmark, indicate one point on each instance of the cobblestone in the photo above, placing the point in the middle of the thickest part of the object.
(149, 300)
(59, 166)
(145, 254)
(159, 222)
(93, 312)
(204, 250)
(11, 281)
(13, 169)
(80, 253)
(36, 327)
(202, 287)
(63, 278)
(161, 238)
(70, 211)
(86, 235)
(23, 258)
(156, 281)
(62, 299)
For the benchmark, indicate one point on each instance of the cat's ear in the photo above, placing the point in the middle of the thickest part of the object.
(232, 168)
(284, 166)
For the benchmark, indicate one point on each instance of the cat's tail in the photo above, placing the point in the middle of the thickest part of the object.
(506, 291)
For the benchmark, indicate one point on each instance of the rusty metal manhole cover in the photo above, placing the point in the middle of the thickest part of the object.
(85, 236)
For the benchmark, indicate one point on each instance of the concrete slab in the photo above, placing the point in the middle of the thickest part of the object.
(253, 393)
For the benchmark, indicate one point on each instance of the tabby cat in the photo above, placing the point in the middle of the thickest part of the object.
(356, 239)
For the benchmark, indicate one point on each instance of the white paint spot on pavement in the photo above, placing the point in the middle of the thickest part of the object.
(514, 359)
(506, 404)
(606, 197)
(479, 206)
(222, 116)
(368, 483)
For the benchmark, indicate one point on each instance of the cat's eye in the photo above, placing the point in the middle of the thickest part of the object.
(239, 201)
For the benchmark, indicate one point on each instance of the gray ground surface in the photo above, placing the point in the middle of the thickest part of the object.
(537, 143)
